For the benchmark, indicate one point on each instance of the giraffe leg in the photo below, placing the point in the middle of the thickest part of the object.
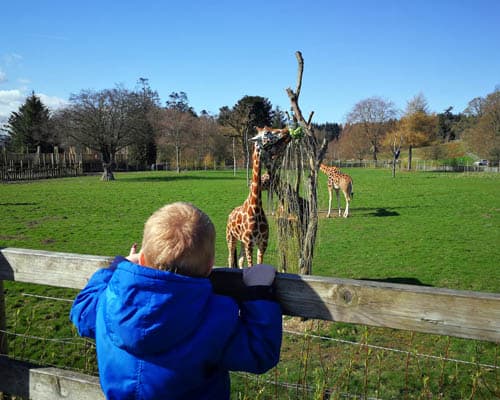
(231, 247)
(241, 259)
(347, 194)
(338, 201)
(260, 254)
(248, 251)
(346, 212)
(329, 202)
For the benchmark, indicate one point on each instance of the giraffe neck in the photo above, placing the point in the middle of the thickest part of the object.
(326, 169)
(254, 198)
(330, 171)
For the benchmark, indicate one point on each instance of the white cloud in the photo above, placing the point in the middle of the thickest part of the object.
(12, 59)
(11, 100)
(52, 102)
(3, 76)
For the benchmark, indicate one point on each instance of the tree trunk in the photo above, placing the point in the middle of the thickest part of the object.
(410, 148)
(107, 175)
(178, 158)
(315, 156)
(108, 162)
(307, 253)
(234, 157)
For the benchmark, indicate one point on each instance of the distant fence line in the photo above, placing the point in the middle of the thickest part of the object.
(17, 167)
(35, 172)
(417, 165)
(32, 166)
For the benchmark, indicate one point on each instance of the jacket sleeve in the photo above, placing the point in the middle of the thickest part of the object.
(256, 342)
(84, 310)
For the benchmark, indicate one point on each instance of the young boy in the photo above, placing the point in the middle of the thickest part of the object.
(160, 331)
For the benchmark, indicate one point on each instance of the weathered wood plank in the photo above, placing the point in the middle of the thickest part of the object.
(3, 322)
(457, 313)
(30, 381)
(54, 383)
(49, 268)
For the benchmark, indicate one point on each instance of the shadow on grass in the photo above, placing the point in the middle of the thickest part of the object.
(399, 280)
(18, 204)
(384, 212)
(368, 212)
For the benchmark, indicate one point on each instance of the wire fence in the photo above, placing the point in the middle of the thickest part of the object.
(320, 359)
(419, 165)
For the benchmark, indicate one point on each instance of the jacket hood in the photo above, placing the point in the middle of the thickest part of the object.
(148, 311)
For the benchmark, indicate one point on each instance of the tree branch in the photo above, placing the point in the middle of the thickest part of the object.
(300, 61)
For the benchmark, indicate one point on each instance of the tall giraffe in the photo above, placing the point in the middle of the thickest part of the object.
(338, 181)
(248, 223)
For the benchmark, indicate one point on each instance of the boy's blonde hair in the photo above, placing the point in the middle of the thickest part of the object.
(180, 238)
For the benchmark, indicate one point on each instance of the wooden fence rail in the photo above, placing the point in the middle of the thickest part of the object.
(464, 314)
(34, 173)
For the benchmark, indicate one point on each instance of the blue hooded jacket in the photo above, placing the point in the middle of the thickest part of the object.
(160, 335)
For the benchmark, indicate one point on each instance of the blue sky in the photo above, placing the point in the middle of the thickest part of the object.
(220, 51)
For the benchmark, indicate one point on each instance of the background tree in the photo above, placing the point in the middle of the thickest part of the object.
(330, 129)
(352, 143)
(475, 107)
(372, 114)
(483, 138)
(179, 101)
(142, 152)
(29, 127)
(279, 119)
(105, 121)
(417, 127)
(447, 125)
(394, 140)
(174, 123)
(212, 144)
(417, 104)
(246, 114)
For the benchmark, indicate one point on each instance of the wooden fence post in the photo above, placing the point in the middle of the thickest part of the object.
(3, 322)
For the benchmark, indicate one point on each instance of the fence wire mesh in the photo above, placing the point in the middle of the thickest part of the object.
(319, 360)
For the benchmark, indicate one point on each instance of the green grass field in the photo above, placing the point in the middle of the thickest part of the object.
(439, 229)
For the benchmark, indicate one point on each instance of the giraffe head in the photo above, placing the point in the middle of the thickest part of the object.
(272, 141)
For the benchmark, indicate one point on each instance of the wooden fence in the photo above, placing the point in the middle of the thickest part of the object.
(34, 173)
(463, 314)
(22, 167)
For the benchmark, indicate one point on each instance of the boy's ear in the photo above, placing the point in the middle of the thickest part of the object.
(210, 266)
(142, 259)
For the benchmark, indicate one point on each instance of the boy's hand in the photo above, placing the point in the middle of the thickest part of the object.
(133, 255)
(259, 275)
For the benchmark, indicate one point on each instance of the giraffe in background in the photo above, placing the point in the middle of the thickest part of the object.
(248, 223)
(338, 181)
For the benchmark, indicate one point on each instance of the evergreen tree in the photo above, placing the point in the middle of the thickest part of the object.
(29, 127)
(246, 114)
(447, 125)
(142, 152)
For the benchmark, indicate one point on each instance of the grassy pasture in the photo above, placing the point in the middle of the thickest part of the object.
(438, 229)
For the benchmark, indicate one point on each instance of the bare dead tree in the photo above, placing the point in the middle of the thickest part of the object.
(306, 208)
